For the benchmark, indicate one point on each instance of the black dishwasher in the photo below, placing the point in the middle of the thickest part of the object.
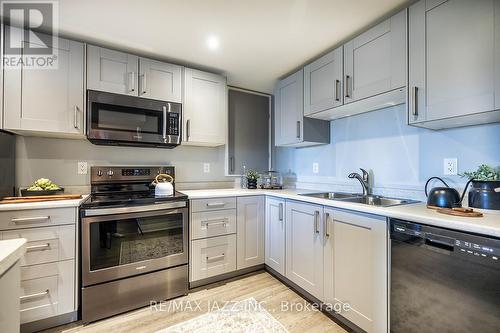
(443, 280)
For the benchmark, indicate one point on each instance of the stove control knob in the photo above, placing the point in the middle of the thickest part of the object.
(110, 173)
(99, 173)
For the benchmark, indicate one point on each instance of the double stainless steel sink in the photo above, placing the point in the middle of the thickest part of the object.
(372, 200)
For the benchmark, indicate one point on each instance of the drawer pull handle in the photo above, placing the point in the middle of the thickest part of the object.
(215, 222)
(216, 204)
(221, 256)
(30, 219)
(25, 297)
(38, 247)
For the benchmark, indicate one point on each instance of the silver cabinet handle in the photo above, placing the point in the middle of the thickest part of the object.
(25, 297)
(75, 121)
(347, 84)
(143, 83)
(221, 256)
(325, 225)
(414, 98)
(337, 90)
(316, 221)
(281, 212)
(38, 247)
(298, 129)
(131, 81)
(165, 122)
(216, 204)
(215, 222)
(30, 219)
(188, 129)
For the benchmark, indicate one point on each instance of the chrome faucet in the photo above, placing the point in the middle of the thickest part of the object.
(364, 180)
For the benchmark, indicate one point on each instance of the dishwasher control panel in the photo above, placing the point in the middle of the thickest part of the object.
(478, 250)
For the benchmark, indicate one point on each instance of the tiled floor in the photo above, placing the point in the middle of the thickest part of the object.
(262, 286)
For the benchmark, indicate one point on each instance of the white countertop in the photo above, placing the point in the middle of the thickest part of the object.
(44, 204)
(488, 225)
(10, 252)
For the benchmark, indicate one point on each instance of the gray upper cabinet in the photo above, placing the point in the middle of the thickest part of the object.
(291, 128)
(323, 83)
(453, 67)
(248, 137)
(112, 71)
(160, 80)
(46, 101)
(375, 61)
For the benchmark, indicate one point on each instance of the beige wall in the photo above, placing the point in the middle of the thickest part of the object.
(57, 159)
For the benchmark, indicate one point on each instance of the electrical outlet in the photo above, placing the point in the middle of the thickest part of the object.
(206, 167)
(315, 167)
(82, 168)
(450, 166)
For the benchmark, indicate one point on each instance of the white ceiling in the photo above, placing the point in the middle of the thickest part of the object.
(259, 40)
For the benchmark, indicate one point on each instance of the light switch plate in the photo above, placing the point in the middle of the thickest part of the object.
(82, 168)
(206, 167)
(315, 167)
(450, 166)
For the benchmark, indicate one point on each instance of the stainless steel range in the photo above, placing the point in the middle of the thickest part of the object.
(134, 246)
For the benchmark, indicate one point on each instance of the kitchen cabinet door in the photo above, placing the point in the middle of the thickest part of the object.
(46, 101)
(323, 83)
(250, 231)
(289, 109)
(356, 267)
(452, 61)
(160, 80)
(375, 61)
(205, 108)
(112, 71)
(304, 246)
(275, 234)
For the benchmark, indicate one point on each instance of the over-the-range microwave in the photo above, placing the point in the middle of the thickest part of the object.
(114, 119)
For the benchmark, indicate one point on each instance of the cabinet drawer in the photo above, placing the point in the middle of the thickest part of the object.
(202, 205)
(216, 223)
(47, 290)
(46, 244)
(212, 256)
(29, 218)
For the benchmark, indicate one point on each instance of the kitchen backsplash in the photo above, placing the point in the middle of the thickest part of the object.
(57, 159)
(401, 157)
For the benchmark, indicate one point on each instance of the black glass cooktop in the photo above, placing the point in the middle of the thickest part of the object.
(120, 199)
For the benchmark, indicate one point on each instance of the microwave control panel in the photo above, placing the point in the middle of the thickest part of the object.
(173, 123)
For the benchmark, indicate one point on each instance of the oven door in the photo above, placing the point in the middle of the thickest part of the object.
(123, 245)
(120, 119)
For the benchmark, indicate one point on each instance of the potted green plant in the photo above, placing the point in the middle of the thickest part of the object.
(252, 177)
(485, 191)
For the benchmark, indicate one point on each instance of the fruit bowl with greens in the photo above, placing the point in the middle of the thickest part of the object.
(42, 186)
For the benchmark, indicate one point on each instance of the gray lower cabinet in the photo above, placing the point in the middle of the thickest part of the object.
(323, 83)
(375, 61)
(304, 246)
(46, 101)
(454, 62)
(250, 221)
(275, 234)
(291, 128)
(160, 80)
(112, 71)
(356, 267)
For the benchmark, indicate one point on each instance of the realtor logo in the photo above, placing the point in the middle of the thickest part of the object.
(30, 34)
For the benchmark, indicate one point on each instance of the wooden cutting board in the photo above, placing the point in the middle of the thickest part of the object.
(40, 198)
(464, 212)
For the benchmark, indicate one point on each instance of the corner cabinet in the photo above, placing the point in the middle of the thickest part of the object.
(250, 220)
(47, 102)
(454, 63)
(304, 246)
(205, 109)
(275, 234)
(127, 74)
(356, 267)
(291, 128)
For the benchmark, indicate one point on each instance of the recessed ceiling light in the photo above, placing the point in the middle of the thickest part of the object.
(213, 42)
